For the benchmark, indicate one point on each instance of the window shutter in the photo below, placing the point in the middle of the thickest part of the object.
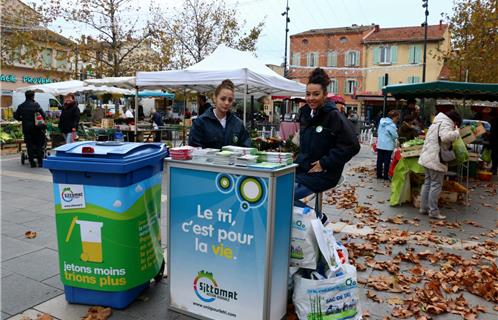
(409, 79)
(308, 59)
(411, 54)
(347, 60)
(334, 59)
(357, 58)
(345, 86)
(315, 58)
(394, 54)
(376, 55)
(336, 85)
(380, 82)
(418, 54)
(416, 79)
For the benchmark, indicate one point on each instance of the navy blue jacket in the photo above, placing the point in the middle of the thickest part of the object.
(328, 137)
(207, 132)
(26, 113)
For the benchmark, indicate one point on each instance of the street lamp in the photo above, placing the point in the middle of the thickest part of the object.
(287, 20)
(425, 4)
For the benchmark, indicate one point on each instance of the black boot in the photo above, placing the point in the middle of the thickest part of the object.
(32, 163)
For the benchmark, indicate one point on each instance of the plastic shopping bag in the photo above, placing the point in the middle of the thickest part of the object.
(486, 155)
(304, 249)
(328, 245)
(335, 297)
(460, 150)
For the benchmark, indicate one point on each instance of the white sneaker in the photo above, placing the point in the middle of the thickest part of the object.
(437, 215)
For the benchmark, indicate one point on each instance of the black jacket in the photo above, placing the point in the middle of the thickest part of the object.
(26, 113)
(207, 132)
(204, 108)
(70, 117)
(328, 137)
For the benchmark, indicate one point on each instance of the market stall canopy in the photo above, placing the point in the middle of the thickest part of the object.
(55, 88)
(119, 82)
(156, 94)
(444, 90)
(224, 63)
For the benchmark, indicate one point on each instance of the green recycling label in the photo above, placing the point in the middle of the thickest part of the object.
(109, 238)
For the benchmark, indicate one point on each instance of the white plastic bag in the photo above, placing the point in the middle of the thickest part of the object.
(327, 244)
(304, 249)
(336, 297)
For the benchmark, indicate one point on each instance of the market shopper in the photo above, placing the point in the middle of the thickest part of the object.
(34, 135)
(327, 141)
(157, 122)
(70, 118)
(440, 135)
(203, 104)
(493, 142)
(387, 135)
(218, 126)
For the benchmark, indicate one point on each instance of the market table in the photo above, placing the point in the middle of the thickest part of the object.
(228, 240)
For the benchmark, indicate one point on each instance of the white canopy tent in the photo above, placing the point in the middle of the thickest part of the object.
(249, 75)
(56, 88)
(119, 82)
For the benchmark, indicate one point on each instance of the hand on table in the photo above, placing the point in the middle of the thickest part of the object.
(316, 167)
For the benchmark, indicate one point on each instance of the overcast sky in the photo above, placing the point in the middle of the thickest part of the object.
(313, 14)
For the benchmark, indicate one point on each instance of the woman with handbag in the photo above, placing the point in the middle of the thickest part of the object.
(436, 153)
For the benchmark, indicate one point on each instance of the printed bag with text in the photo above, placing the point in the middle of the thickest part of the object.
(333, 297)
(304, 249)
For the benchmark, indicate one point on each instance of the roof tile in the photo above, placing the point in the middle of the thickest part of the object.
(403, 34)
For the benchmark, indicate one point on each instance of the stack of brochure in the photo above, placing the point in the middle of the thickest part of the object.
(246, 160)
(224, 158)
(275, 157)
(204, 155)
(242, 151)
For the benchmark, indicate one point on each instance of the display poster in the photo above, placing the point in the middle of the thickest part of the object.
(217, 243)
(109, 237)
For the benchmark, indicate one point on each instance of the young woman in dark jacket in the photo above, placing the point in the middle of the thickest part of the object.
(327, 140)
(70, 118)
(218, 127)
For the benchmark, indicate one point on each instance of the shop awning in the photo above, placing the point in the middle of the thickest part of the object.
(444, 90)
(156, 94)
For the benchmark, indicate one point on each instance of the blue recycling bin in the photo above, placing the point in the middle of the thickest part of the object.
(107, 198)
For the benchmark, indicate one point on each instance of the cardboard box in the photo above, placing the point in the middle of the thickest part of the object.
(467, 135)
(448, 196)
(480, 130)
(107, 123)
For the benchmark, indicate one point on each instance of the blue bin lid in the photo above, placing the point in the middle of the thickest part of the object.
(107, 156)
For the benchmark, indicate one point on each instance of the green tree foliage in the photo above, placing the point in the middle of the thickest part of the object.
(474, 28)
(201, 25)
(120, 36)
(26, 41)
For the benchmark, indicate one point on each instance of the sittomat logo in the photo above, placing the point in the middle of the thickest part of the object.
(207, 290)
(67, 195)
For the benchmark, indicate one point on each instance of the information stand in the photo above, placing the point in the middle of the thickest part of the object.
(229, 238)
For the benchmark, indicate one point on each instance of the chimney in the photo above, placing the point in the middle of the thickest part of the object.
(377, 28)
(441, 24)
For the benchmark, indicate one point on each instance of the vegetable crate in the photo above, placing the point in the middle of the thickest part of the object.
(468, 136)
(412, 151)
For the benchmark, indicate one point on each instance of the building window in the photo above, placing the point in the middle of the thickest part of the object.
(413, 79)
(350, 86)
(352, 58)
(312, 59)
(385, 55)
(415, 54)
(343, 40)
(296, 59)
(305, 41)
(332, 88)
(331, 59)
(46, 57)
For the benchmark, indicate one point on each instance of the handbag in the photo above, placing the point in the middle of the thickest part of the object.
(445, 155)
(39, 121)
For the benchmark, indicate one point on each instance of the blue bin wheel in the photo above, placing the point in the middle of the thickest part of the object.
(160, 274)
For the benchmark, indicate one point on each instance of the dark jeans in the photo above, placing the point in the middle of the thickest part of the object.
(383, 162)
(35, 140)
(301, 191)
